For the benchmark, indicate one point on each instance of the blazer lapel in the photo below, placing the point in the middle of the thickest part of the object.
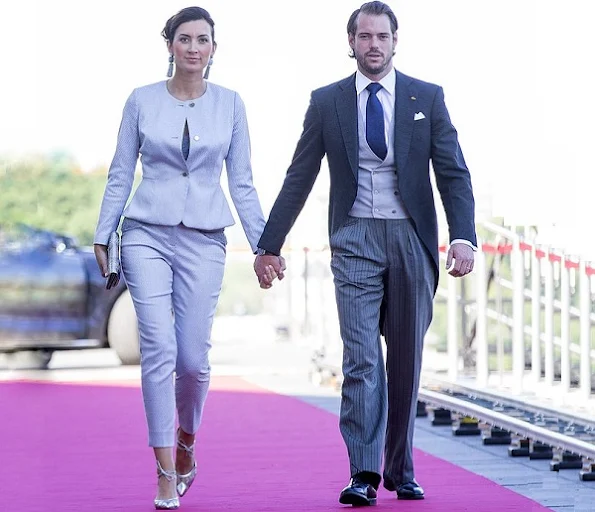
(405, 103)
(346, 104)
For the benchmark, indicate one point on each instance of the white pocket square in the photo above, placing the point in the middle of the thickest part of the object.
(418, 116)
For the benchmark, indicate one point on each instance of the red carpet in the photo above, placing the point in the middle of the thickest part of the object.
(83, 448)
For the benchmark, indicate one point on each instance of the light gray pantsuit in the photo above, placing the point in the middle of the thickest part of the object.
(173, 244)
(171, 268)
(375, 262)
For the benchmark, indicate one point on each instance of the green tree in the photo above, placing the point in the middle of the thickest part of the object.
(49, 191)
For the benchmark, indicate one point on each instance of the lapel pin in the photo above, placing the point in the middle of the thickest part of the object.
(413, 98)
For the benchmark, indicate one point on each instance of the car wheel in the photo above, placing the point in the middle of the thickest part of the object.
(26, 360)
(122, 330)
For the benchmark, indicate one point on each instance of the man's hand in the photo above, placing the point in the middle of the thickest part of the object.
(101, 257)
(283, 267)
(268, 268)
(463, 260)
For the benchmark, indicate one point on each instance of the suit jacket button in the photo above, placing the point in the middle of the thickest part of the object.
(184, 173)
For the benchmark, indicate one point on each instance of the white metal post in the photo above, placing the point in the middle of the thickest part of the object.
(481, 330)
(535, 315)
(518, 316)
(585, 330)
(499, 324)
(452, 337)
(548, 318)
(564, 327)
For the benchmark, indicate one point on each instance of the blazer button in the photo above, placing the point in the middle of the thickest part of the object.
(185, 173)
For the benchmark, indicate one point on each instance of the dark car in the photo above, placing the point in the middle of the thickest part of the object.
(52, 297)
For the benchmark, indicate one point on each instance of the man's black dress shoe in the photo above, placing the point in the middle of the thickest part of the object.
(358, 493)
(410, 491)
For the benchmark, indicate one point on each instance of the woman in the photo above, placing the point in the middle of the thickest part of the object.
(173, 241)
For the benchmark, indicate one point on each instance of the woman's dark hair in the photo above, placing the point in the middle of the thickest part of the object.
(376, 9)
(185, 15)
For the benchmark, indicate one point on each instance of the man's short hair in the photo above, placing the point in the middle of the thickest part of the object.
(373, 8)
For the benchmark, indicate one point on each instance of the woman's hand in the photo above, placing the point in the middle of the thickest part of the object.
(101, 257)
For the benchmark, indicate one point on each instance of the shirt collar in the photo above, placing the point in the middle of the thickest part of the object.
(387, 83)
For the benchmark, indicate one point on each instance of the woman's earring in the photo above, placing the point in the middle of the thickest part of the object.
(208, 70)
(170, 69)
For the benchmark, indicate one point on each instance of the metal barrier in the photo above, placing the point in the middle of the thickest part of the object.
(528, 304)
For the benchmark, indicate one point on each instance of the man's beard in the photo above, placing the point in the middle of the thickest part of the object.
(373, 69)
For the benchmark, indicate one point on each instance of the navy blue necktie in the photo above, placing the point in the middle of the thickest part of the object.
(375, 122)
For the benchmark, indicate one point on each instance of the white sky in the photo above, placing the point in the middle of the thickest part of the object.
(517, 75)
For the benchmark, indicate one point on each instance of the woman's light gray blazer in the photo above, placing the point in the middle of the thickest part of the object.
(172, 189)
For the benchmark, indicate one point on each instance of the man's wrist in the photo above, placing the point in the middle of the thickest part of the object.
(464, 242)
(264, 252)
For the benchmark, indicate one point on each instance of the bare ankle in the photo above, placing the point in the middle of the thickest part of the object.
(187, 439)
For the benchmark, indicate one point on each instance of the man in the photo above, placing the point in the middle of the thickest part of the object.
(379, 130)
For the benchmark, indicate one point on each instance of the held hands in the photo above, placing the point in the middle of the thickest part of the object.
(463, 257)
(268, 268)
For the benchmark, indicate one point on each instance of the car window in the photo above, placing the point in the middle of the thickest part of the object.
(21, 238)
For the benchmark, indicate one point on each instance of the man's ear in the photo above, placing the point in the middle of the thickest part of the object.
(351, 41)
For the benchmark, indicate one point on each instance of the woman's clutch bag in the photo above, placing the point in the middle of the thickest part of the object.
(113, 260)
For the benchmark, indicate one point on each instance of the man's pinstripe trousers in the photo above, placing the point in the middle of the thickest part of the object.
(377, 264)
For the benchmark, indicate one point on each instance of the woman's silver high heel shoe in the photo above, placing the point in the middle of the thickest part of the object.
(185, 481)
(169, 503)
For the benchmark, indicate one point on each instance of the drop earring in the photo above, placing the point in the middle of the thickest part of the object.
(170, 69)
(207, 71)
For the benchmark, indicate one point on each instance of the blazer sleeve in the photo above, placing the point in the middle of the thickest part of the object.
(298, 183)
(239, 176)
(121, 172)
(452, 176)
